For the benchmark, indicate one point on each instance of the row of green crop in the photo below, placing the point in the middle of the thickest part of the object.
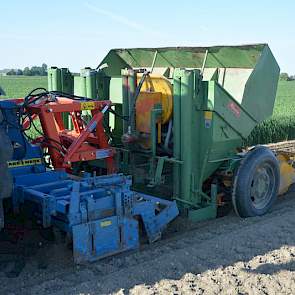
(281, 126)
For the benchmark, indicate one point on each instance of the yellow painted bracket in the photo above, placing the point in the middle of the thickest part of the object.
(287, 173)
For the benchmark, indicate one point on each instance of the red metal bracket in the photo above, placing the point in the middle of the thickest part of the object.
(85, 142)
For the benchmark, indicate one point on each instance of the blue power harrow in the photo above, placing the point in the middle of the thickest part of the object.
(101, 214)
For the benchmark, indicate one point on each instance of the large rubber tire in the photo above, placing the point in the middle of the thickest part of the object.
(256, 183)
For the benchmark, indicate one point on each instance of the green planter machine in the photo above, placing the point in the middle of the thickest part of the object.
(179, 118)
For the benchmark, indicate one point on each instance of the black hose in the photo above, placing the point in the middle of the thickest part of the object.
(117, 114)
(70, 96)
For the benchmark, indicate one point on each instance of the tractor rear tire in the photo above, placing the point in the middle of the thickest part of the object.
(256, 183)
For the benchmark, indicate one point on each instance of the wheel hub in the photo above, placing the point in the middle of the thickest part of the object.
(261, 186)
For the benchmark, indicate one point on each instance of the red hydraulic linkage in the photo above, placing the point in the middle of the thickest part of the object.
(85, 142)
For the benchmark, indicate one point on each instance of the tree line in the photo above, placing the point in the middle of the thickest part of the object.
(33, 71)
(42, 71)
(287, 77)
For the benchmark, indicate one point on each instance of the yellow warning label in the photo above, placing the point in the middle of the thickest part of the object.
(208, 115)
(105, 223)
(21, 163)
(88, 105)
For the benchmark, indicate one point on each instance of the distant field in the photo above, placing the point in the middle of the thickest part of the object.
(280, 127)
(19, 86)
(285, 98)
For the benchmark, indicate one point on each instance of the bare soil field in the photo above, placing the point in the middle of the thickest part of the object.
(228, 255)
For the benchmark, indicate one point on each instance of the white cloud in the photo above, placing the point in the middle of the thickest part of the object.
(123, 20)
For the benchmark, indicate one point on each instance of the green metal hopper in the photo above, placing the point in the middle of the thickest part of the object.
(220, 94)
(249, 72)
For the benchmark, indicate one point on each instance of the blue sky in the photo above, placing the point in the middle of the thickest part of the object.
(79, 33)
